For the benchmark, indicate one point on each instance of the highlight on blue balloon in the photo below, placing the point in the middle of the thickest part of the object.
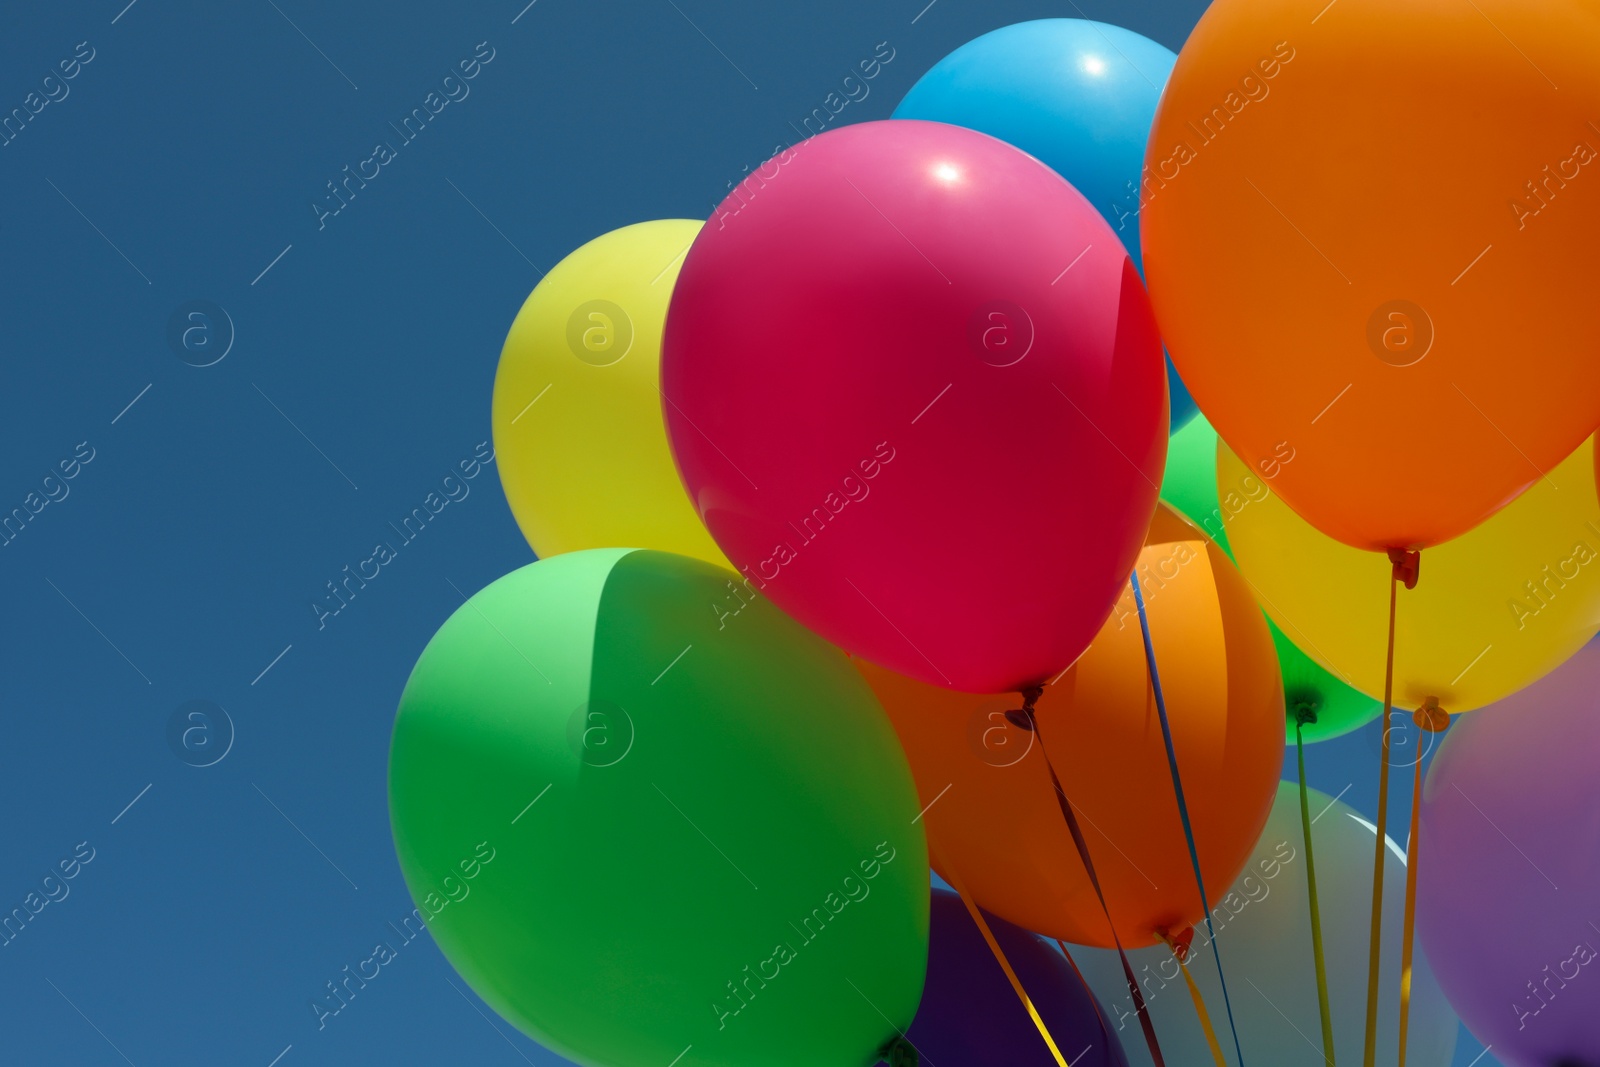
(1079, 96)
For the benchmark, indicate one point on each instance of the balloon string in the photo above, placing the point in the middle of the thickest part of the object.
(1409, 922)
(1403, 567)
(1005, 964)
(1099, 1016)
(1432, 718)
(1179, 952)
(1094, 880)
(1301, 718)
(1183, 806)
(1371, 1046)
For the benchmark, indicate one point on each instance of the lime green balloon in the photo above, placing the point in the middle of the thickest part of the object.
(651, 819)
(1190, 485)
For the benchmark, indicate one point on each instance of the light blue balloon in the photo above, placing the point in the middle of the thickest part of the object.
(1263, 925)
(1079, 96)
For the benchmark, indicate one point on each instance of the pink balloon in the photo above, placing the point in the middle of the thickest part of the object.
(914, 387)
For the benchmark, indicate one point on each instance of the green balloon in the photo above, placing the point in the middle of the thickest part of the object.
(1190, 486)
(651, 819)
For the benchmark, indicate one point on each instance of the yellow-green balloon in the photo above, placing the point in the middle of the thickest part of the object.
(579, 438)
(651, 820)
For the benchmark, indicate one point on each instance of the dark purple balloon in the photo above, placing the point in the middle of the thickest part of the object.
(970, 1017)
(1508, 875)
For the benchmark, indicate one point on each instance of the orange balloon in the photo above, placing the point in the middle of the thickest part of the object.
(992, 818)
(1369, 236)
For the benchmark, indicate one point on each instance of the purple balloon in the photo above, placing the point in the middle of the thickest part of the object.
(1508, 876)
(970, 1017)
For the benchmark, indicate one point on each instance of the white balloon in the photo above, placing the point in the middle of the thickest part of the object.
(1263, 927)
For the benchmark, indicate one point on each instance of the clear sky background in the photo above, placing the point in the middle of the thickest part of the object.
(181, 163)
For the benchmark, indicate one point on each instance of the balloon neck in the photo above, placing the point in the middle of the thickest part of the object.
(1023, 716)
(1405, 565)
(1431, 717)
(1179, 943)
(1302, 707)
(898, 1052)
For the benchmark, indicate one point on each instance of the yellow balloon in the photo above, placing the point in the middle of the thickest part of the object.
(1493, 610)
(578, 430)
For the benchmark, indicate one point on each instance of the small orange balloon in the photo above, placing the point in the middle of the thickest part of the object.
(992, 818)
(1369, 232)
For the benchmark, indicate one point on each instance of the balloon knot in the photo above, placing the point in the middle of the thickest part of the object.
(1179, 944)
(1023, 716)
(1431, 717)
(1303, 707)
(898, 1052)
(1406, 565)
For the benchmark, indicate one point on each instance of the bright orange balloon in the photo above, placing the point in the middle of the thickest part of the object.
(1369, 234)
(992, 818)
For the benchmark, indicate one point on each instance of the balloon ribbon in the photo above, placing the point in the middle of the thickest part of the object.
(1183, 807)
(1434, 719)
(1404, 567)
(1099, 1016)
(1027, 720)
(1303, 716)
(1180, 952)
(1005, 964)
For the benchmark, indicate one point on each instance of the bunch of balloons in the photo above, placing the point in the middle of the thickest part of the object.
(998, 489)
